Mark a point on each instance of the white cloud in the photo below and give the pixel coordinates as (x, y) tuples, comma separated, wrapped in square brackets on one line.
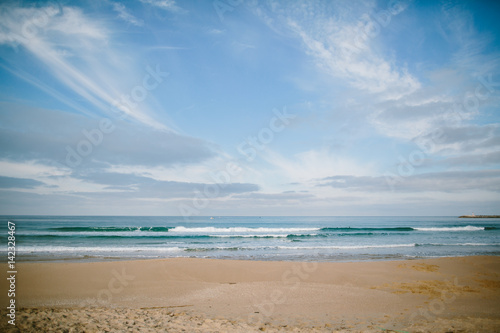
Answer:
[(343, 46), (454, 95), (126, 16), (54, 36), (472, 139), (215, 31), (31, 169), (57, 178), (363, 69), (310, 165), (450, 181), (169, 5), (342, 40)]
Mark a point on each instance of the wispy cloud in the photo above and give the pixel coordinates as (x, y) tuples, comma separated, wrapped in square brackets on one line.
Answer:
[(309, 165), (68, 29), (125, 15), (451, 181), (19, 183), (454, 93), (365, 70), (169, 5), (471, 139), (129, 144), (344, 44), (215, 31), (341, 47)]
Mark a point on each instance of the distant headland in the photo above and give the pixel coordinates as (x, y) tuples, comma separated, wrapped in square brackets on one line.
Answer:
[(480, 216)]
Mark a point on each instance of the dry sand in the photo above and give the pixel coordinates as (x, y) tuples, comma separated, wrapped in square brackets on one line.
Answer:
[(204, 295)]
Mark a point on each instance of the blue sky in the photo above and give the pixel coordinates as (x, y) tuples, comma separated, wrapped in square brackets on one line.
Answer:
[(163, 107)]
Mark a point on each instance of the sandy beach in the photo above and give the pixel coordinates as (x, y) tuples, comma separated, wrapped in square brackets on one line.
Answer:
[(204, 295)]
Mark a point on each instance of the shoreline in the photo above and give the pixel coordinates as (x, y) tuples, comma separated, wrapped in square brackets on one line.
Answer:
[(238, 295), (90, 259)]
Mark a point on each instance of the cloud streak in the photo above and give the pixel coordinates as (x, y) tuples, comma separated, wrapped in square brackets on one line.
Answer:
[(52, 131), (450, 181), (169, 5), (345, 48), (65, 38), (125, 15), (19, 183)]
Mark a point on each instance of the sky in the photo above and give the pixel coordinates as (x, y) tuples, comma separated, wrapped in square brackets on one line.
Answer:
[(249, 107)]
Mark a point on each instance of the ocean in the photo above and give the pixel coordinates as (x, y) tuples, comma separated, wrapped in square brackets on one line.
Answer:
[(101, 238)]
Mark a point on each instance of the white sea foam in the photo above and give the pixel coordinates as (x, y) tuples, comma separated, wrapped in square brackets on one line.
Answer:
[(346, 247), (332, 247), (93, 249), (212, 230), (464, 244), (251, 236), (141, 233), (134, 233)]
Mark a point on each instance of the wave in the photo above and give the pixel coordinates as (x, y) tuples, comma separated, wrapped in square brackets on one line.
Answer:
[(289, 231), (180, 235), (133, 234), (210, 249), (332, 247), (94, 249), (246, 236), (97, 234), (460, 244), (348, 229), (305, 235), (182, 229), (54, 249), (466, 228), (326, 247), (111, 229), (239, 229), (85, 249), (491, 228), (345, 247)]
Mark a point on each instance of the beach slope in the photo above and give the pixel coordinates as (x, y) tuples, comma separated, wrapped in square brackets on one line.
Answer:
[(203, 295)]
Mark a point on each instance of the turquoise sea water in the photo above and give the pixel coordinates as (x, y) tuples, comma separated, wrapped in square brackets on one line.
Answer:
[(91, 238)]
